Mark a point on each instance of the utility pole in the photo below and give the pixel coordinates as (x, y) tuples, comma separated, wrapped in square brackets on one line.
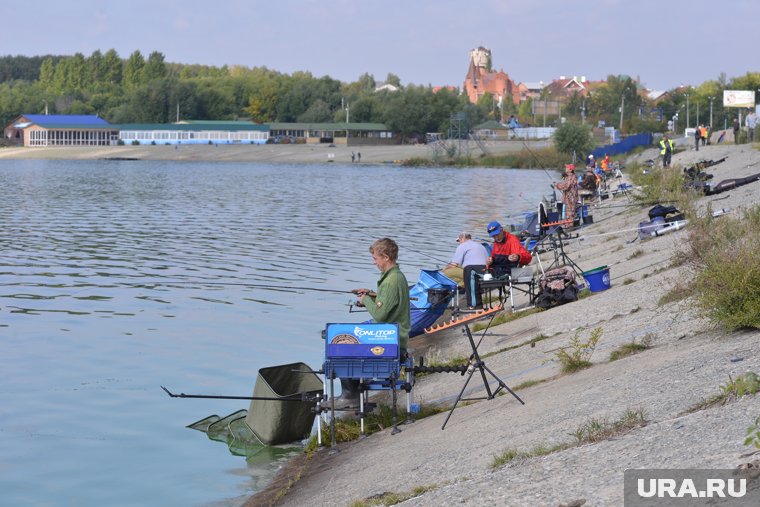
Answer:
[(697, 122), (687, 110), (622, 106), (711, 111), (177, 112)]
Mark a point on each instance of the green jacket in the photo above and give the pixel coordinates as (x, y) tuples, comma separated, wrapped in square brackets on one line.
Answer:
[(392, 303)]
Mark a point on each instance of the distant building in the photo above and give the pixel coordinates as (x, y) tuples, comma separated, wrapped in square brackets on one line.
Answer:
[(60, 130), (481, 79)]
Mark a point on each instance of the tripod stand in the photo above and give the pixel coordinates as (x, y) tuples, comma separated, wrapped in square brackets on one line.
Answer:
[(476, 363), (553, 240)]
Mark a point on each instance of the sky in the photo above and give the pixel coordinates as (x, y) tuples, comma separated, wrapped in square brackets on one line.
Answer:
[(665, 43)]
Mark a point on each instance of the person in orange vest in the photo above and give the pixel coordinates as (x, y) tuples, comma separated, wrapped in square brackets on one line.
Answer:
[(704, 135), (606, 163)]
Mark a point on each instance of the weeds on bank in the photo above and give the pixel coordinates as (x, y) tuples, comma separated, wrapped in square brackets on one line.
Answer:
[(506, 317), (663, 185), (532, 342), (753, 434), (593, 430), (746, 384), (523, 159), (724, 255), (579, 355), (633, 347), (394, 498), (681, 290), (596, 430)]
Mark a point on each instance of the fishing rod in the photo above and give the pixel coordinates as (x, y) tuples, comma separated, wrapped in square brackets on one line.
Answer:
[(300, 398)]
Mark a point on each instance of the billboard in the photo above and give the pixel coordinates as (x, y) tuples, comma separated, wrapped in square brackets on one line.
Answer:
[(739, 98)]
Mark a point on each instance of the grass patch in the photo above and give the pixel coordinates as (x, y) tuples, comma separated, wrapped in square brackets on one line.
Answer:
[(579, 355), (593, 430), (596, 430), (628, 281), (532, 342), (724, 255), (506, 317), (394, 498), (633, 347), (511, 455), (636, 253), (748, 383), (524, 159), (663, 185), (530, 383), (681, 290)]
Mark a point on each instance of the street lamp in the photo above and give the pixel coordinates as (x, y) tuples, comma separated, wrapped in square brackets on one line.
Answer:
[(583, 111), (711, 106), (687, 110)]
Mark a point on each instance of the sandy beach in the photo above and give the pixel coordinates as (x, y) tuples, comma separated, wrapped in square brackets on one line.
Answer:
[(268, 153), (688, 362)]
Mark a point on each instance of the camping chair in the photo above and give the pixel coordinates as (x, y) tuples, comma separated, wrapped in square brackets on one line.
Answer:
[(517, 279)]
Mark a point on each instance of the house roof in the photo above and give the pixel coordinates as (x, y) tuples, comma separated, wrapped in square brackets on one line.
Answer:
[(329, 126), (193, 127), (65, 119), (491, 125)]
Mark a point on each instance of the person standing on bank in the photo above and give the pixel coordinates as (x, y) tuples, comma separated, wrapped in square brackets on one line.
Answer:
[(469, 258), (751, 123), (569, 188), (666, 150), (697, 136), (736, 128)]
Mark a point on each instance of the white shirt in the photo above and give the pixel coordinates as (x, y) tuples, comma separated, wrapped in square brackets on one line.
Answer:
[(470, 253)]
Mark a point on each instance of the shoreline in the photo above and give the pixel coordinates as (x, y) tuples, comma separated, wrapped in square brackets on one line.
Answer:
[(268, 153), (688, 362)]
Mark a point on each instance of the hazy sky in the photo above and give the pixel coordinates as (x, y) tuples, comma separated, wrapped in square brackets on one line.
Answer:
[(664, 42)]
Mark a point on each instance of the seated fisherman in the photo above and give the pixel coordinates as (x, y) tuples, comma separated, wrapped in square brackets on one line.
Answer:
[(470, 256), (389, 304), (507, 251), (589, 184)]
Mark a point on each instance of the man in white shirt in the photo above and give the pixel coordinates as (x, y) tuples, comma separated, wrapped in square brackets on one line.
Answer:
[(751, 123), (470, 257)]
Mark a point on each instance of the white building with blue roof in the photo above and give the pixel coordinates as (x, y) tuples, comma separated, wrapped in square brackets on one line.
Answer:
[(60, 130)]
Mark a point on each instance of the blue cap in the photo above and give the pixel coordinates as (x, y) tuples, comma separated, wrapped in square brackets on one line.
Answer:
[(494, 228)]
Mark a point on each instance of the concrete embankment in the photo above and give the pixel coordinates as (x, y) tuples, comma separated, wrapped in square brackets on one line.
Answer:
[(688, 361)]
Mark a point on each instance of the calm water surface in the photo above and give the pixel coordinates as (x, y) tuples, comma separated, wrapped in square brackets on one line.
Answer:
[(118, 277)]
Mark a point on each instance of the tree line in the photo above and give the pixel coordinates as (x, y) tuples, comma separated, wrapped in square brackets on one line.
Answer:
[(150, 90)]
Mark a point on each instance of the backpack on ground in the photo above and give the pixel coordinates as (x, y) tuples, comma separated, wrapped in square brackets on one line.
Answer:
[(557, 287)]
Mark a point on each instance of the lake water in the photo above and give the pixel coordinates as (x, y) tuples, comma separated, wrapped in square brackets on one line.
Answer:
[(117, 277)]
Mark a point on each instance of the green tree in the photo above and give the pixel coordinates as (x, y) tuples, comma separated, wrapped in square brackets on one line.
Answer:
[(133, 70), (155, 68), (47, 74), (570, 138), (113, 68)]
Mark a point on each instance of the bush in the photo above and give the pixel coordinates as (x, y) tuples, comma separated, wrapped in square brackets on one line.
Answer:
[(724, 254), (572, 138), (120, 142), (579, 357), (135, 143)]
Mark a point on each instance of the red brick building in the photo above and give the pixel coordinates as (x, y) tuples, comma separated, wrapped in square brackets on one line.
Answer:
[(481, 79)]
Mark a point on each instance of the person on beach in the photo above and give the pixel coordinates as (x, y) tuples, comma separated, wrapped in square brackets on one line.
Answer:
[(569, 188), (469, 258), (590, 162), (666, 150), (697, 137)]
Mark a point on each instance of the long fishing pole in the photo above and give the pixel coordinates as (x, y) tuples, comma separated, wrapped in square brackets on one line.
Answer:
[(301, 397)]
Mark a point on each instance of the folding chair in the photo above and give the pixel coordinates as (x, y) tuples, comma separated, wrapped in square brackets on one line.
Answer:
[(521, 279)]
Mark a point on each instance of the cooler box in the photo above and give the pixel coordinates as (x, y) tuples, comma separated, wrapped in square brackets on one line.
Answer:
[(367, 350)]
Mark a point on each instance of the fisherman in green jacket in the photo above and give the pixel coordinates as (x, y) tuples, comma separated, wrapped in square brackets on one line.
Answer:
[(391, 302)]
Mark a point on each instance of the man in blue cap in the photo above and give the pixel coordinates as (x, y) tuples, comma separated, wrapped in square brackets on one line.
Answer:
[(507, 251)]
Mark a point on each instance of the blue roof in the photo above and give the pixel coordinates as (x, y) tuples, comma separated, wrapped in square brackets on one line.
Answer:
[(55, 119)]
